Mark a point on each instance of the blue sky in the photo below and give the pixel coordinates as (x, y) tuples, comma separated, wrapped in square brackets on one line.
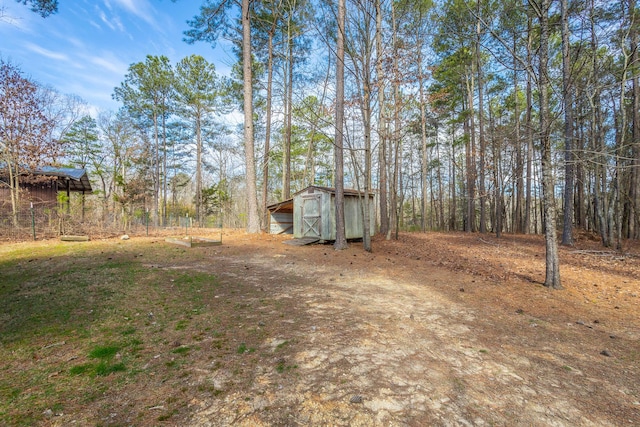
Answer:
[(86, 48)]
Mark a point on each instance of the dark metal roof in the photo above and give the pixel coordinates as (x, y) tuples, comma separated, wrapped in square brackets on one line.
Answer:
[(77, 179)]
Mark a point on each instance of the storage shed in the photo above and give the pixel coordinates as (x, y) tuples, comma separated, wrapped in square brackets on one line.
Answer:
[(311, 213)]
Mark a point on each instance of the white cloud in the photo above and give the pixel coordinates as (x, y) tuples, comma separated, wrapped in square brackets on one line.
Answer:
[(109, 63), (140, 8), (94, 24), (103, 18), (76, 42), (46, 53)]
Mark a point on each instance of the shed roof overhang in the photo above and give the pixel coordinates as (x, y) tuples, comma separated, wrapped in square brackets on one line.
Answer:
[(73, 179), (285, 206), (331, 190)]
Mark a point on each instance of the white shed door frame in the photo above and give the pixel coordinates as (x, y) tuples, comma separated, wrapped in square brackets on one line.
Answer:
[(311, 217)]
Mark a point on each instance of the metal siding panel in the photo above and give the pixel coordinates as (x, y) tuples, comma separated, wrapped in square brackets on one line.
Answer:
[(281, 223), (353, 218), (297, 217), (372, 215), (328, 217), (353, 215)]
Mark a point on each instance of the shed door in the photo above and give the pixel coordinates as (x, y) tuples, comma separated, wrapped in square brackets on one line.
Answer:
[(311, 217)]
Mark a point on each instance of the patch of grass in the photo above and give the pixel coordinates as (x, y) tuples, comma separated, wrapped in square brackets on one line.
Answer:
[(181, 350), (168, 415), (282, 367), (242, 348), (182, 324), (135, 343), (171, 364), (81, 369), (103, 368), (282, 345), (129, 331), (96, 301), (104, 352)]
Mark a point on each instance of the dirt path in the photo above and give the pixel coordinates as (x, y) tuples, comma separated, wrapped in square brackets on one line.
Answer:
[(398, 338)]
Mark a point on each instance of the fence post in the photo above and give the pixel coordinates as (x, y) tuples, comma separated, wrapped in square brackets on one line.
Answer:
[(33, 222)]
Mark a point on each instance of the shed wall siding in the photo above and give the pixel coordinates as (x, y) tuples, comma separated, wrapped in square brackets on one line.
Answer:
[(281, 223), (327, 230)]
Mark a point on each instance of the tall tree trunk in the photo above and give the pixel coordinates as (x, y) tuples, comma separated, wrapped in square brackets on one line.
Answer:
[(579, 205), (267, 136), (552, 277), (453, 197), (164, 167), (442, 224), (497, 178), (470, 221), (156, 180), (567, 95), (341, 239), (634, 194), (198, 170), (253, 219), (393, 217), (286, 158), (518, 219), (529, 128), (615, 217), (366, 122), (423, 135), (481, 178), (382, 154)]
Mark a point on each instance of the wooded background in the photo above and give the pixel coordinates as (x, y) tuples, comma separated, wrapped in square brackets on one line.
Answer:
[(489, 116)]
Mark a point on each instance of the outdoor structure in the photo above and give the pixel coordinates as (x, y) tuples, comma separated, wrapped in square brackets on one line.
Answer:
[(281, 217), (311, 214), (42, 185)]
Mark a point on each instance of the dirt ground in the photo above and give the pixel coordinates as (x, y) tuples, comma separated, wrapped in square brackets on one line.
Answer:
[(439, 329), (435, 329)]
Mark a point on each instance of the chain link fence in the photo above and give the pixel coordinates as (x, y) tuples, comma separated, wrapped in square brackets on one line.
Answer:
[(40, 224)]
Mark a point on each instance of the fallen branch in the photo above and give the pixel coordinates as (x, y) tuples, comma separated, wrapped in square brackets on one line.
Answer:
[(55, 344), (487, 242)]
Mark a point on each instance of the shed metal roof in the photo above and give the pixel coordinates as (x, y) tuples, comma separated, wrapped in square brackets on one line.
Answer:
[(347, 191), (284, 206), (77, 178)]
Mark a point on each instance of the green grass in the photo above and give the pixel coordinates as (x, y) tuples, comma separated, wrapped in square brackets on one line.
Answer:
[(105, 368), (83, 325), (282, 367), (104, 352), (181, 350)]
